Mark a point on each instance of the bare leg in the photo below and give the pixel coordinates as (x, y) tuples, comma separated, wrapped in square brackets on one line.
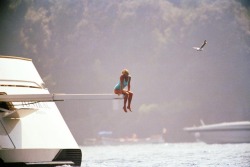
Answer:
[(125, 102), (130, 96), (126, 97)]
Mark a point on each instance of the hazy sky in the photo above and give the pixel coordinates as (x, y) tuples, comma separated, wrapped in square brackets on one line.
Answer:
[(81, 46)]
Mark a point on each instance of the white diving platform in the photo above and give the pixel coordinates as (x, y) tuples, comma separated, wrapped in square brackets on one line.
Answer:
[(56, 97)]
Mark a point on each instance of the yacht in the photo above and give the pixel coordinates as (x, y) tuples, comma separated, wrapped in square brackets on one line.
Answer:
[(226, 132), (32, 129)]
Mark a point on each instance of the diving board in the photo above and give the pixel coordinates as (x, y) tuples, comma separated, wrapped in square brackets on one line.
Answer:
[(56, 97)]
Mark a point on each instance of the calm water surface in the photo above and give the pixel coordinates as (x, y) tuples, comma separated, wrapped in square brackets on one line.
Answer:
[(169, 155)]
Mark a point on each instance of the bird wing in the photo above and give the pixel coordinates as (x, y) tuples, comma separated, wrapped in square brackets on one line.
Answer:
[(203, 44)]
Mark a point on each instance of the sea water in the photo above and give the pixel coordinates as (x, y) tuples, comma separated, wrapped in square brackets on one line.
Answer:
[(167, 155)]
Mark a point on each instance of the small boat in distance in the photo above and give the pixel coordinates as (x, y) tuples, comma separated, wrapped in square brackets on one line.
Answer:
[(227, 132)]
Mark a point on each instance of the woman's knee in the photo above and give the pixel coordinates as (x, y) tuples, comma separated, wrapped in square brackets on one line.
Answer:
[(126, 93)]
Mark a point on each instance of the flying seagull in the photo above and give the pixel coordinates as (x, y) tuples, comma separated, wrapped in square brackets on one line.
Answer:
[(201, 48)]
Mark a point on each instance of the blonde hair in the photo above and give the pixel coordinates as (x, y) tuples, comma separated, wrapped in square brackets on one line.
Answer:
[(125, 71)]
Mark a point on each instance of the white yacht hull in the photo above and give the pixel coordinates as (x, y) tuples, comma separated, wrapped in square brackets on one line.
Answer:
[(230, 132), (31, 132)]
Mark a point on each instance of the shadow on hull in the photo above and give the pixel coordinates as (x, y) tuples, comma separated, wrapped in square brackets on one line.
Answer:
[(64, 157)]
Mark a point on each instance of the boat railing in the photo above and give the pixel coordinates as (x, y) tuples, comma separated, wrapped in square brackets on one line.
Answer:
[(20, 83)]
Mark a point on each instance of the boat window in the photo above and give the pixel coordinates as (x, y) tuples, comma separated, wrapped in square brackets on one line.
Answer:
[(20, 83), (5, 105)]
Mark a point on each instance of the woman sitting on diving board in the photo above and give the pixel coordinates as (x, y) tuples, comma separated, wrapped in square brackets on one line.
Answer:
[(125, 80)]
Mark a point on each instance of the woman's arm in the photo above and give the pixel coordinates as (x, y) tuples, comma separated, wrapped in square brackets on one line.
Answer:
[(129, 80)]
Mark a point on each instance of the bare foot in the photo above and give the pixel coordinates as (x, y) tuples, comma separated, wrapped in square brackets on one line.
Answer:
[(124, 108), (129, 108)]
